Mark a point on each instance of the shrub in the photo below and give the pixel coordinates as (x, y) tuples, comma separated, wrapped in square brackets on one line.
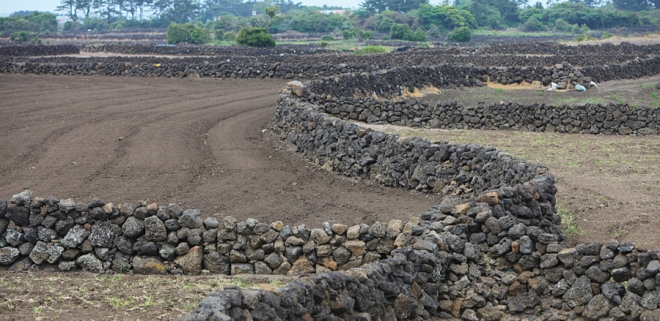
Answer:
[(230, 36), (419, 35), (434, 32), (187, 32), (324, 44), (218, 35), (177, 33), (533, 25), (19, 36), (371, 50), (255, 37), (327, 38), (462, 34), (562, 25), (356, 33), (606, 35), (584, 37), (401, 31)]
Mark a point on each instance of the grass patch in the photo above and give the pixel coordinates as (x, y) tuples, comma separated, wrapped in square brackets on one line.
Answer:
[(370, 50), (568, 221)]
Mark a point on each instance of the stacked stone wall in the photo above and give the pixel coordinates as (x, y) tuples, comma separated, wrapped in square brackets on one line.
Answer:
[(38, 50)]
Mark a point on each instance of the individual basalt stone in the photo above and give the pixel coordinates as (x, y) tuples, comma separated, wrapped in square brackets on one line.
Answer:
[(67, 205), (14, 237), (124, 244), (141, 212), (341, 255), (613, 291), (292, 253), (8, 255), (155, 229), (102, 253), (26, 248), (62, 227), (103, 234), (599, 306), (70, 254), (172, 225), (182, 249), (580, 292), (96, 203), (19, 215), (191, 263), (194, 237), (90, 263), (98, 214), (23, 198), (260, 228), (191, 219), (167, 251), (35, 220), (127, 209), (46, 235), (49, 222), (211, 223), (31, 235), (21, 265), (273, 260), (148, 265), (46, 252), (144, 247), (649, 300), (210, 236), (217, 263)]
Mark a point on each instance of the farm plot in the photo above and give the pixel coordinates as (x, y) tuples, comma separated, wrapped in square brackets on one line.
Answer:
[(198, 143)]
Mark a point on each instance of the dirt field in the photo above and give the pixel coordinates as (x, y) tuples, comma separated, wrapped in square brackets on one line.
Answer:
[(197, 143)]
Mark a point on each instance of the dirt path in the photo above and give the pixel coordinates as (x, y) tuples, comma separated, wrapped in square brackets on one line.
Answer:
[(198, 143)]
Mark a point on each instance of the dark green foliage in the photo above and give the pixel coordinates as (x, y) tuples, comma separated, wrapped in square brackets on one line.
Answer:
[(357, 34), (462, 34), (19, 36), (255, 37), (446, 17), (419, 35), (187, 32), (533, 25), (34, 21), (230, 36), (369, 50), (376, 6), (434, 32), (327, 38), (401, 31)]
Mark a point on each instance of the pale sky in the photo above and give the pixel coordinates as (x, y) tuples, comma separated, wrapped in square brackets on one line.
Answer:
[(9, 6)]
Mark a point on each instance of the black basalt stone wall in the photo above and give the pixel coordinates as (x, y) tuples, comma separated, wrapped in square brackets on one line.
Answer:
[(38, 50)]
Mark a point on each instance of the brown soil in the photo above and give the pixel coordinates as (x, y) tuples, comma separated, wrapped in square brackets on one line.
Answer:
[(194, 142), (86, 296)]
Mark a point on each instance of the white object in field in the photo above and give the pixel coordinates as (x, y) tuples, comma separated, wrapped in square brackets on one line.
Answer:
[(553, 87), (593, 84), (579, 87)]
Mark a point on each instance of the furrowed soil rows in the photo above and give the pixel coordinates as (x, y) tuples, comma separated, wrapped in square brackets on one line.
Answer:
[(195, 142)]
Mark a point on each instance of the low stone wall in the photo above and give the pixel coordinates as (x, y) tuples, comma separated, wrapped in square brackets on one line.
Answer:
[(38, 50), (592, 119), (201, 50)]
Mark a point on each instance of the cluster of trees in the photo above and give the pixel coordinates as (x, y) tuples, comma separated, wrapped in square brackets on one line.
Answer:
[(200, 21)]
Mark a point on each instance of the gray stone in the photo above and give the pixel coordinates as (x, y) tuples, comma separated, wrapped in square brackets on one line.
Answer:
[(102, 234), (75, 237), (26, 248), (217, 263), (599, 306), (524, 300), (124, 244), (650, 315), (262, 268), (133, 227), (580, 293), (182, 249), (3, 209), (595, 274), (273, 260), (548, 261), (3, 225), (650, 300), (211, 223), (613, 291), (21, 265), (167, 251), (23, 198), (242, 268), (653, 267), (46, 252), (90, 263), (154, 229), (8, 255), (67, 265), (67, 205), (14, 237), (191, 219), (341, 255), (19, 215), (46, 235), (145, 247)]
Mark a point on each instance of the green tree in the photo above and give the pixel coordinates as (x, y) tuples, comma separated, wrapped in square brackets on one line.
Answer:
[(187, 32), (255, 37), (401, 31), (462, 34), (533, 25)]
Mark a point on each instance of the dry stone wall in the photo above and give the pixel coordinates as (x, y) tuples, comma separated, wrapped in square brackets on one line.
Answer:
[(38, 50)]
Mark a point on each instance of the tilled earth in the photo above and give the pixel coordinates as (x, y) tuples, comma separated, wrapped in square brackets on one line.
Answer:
[(195, 142)]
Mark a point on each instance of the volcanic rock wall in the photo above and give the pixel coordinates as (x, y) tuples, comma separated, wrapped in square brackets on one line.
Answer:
[(38, 50)]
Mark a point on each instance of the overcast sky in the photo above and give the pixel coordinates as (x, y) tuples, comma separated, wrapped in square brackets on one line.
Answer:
[(9, 6)]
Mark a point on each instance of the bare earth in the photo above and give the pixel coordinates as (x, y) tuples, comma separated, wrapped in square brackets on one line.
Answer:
[(194, 142)]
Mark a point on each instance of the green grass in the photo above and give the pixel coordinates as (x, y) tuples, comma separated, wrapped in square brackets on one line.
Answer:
[(370, 50), (568, 221)]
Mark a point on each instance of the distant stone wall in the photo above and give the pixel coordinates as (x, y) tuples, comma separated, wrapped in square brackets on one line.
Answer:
[(38, 50)]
